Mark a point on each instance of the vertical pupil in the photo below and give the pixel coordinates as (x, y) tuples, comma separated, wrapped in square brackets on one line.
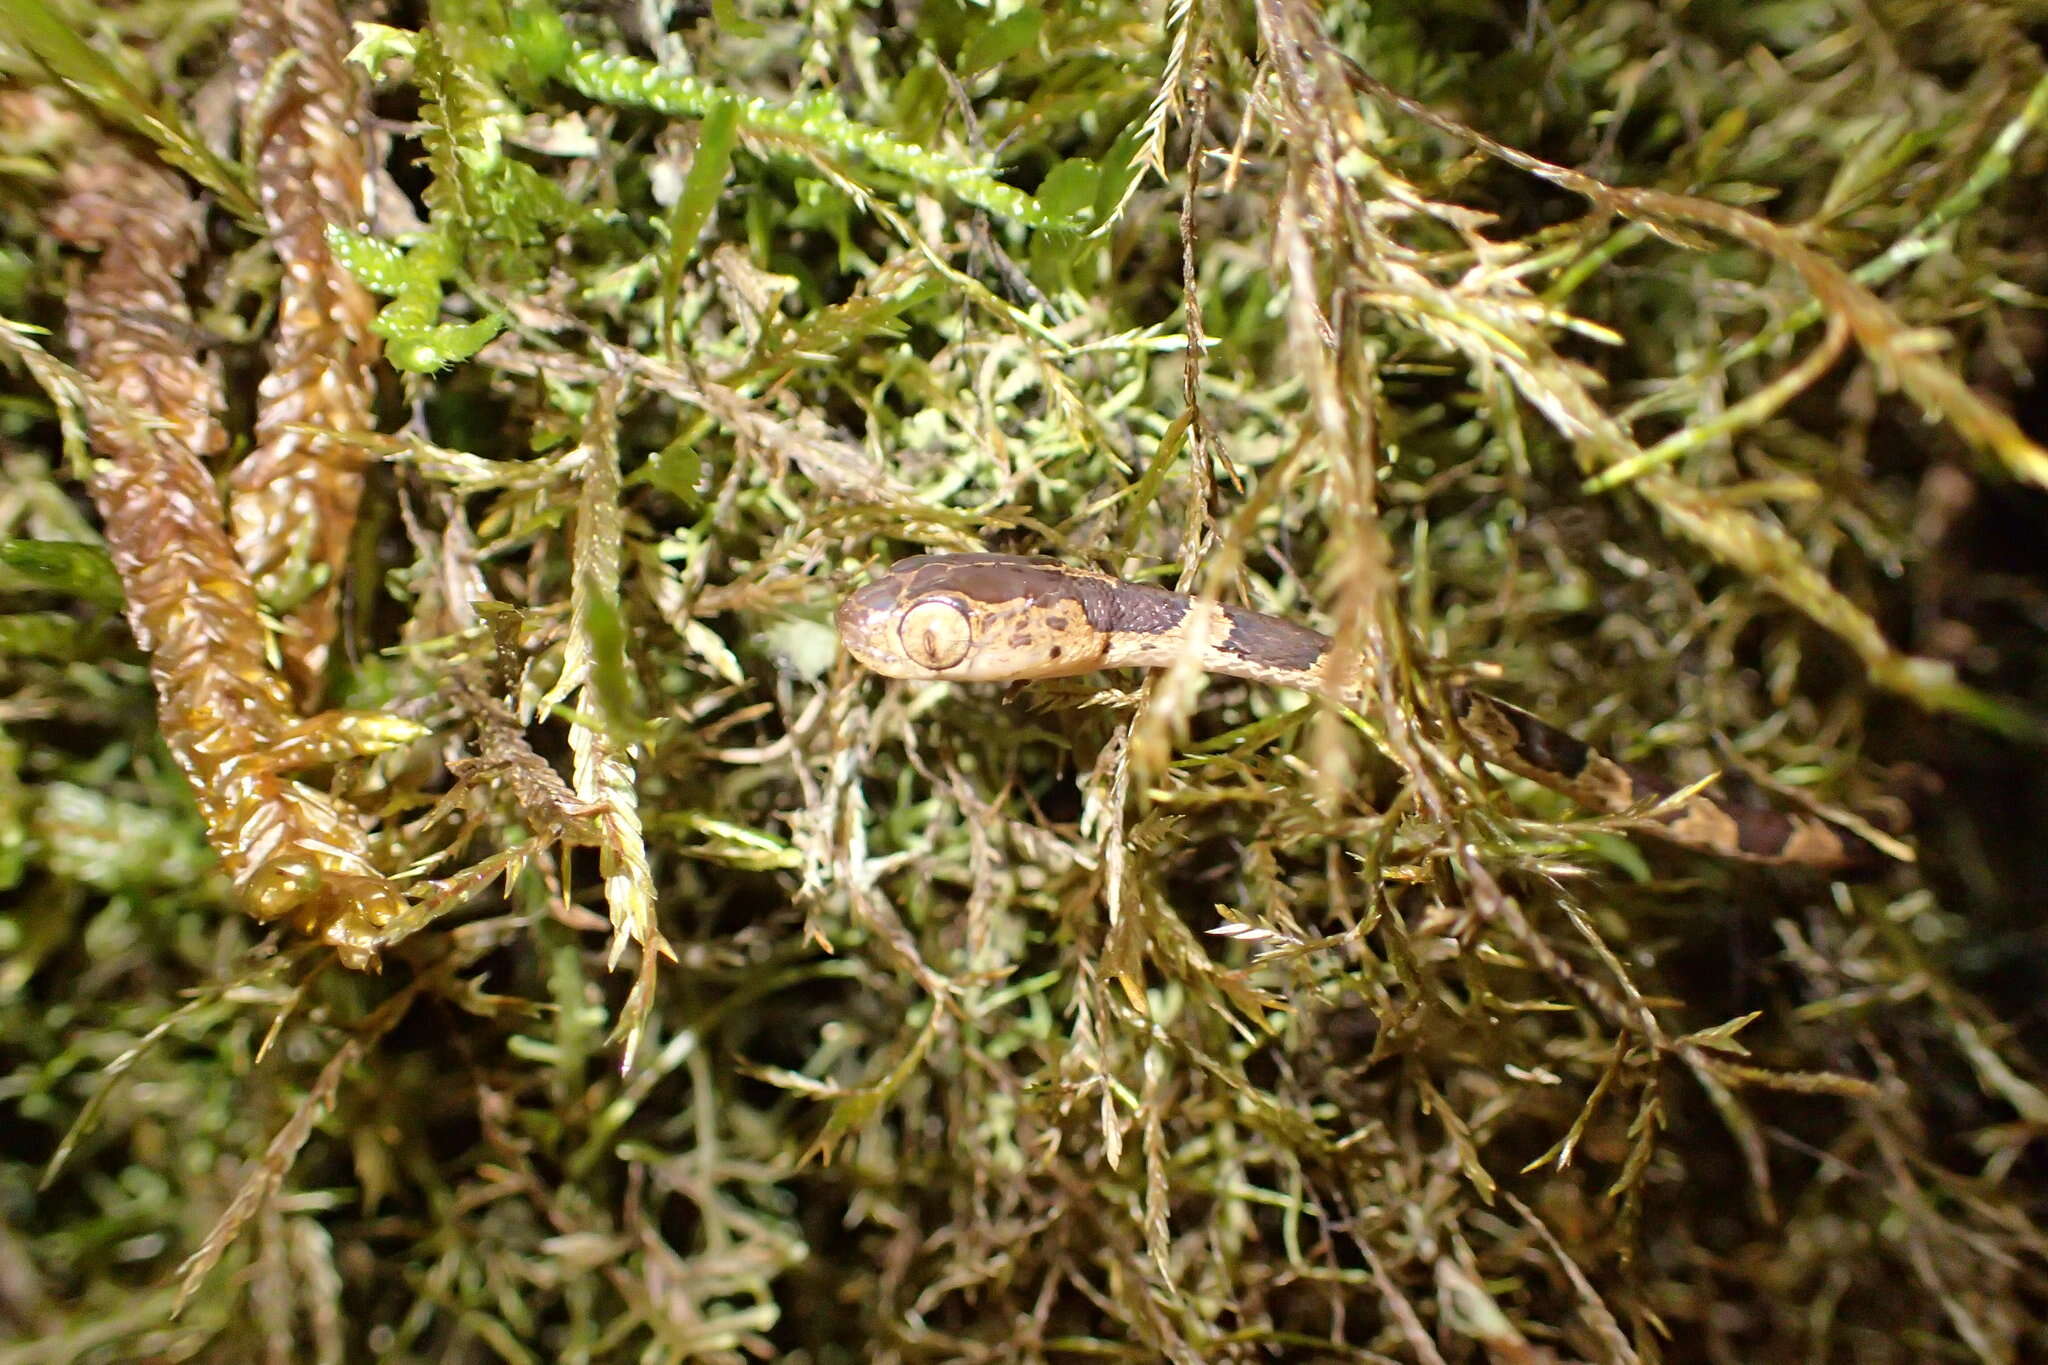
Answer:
[(936, 634)]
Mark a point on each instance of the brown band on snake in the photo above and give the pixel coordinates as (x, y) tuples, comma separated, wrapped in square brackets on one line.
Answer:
[(1255, 635), (1004, 618)]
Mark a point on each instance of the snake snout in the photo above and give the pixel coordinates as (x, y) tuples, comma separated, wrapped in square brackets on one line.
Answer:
[(862, 620), (865, 605)]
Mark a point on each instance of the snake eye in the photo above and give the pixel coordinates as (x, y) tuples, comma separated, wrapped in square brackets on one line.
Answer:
[(936, 633)]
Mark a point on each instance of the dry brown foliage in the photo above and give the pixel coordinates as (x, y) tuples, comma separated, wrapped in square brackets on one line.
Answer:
[(230, 720)]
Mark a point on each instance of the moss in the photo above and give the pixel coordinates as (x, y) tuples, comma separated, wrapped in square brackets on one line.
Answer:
[(1652, 366)]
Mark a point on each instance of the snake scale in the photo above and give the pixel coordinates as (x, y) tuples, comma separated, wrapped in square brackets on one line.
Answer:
[(1007, 618)]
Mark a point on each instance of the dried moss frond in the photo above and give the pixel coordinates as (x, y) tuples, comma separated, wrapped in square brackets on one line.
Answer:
[(294, 499), (594, 674), (228, 718)]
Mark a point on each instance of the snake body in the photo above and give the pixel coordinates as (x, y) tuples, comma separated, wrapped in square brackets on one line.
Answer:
[(1006, 618)]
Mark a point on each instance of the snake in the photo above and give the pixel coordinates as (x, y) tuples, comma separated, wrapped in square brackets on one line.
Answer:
[(996, 618)]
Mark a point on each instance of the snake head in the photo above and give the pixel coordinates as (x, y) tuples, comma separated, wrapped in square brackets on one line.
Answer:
[(976, 618), (927, 637)]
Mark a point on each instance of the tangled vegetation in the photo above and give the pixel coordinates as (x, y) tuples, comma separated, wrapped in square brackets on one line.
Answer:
[(461, 905)]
